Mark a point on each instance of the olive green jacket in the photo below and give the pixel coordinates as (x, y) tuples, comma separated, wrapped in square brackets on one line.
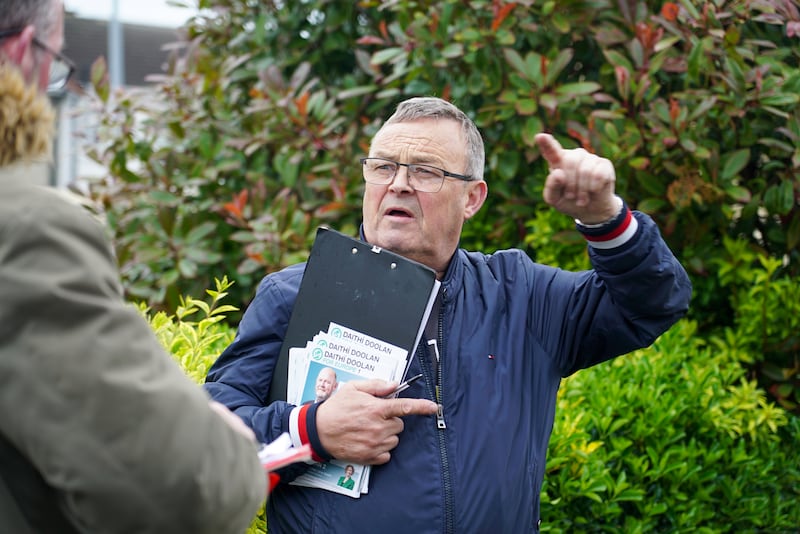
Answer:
[(121, 439)]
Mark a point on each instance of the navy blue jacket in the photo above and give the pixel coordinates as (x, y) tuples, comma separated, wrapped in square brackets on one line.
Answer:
[(510, 330)]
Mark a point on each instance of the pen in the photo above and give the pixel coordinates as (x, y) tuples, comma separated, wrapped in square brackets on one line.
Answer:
[(404, 386)]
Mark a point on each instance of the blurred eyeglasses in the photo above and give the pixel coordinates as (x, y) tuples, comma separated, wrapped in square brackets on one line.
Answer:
[(424, 178), (61, 67)]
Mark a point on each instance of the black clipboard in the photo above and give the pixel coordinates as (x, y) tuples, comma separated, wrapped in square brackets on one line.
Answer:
[(360, 286)]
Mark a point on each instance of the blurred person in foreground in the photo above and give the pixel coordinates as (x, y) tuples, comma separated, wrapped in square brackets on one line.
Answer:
[(100, 431), (503, 333)]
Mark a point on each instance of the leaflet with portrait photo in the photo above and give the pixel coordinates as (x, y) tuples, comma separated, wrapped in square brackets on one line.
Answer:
[(340, 355), (352, 356)]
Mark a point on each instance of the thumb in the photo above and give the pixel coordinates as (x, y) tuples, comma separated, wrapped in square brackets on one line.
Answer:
[(550, 148), (231, 419)]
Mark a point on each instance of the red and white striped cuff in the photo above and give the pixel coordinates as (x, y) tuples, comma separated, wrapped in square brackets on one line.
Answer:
[(613, 233), (302, 430)]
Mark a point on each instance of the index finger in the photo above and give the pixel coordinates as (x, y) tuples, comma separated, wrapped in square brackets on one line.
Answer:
[(550, 148), (374, 386), (408, 406)]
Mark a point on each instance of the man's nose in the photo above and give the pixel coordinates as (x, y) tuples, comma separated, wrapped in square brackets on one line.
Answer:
[(400, 181)]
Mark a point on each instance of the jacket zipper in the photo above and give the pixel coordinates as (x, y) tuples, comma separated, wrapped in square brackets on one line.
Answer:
[(447, 487), (434, 344)]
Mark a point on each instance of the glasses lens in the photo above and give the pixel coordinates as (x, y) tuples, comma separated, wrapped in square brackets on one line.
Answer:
[(379, 171), (59, 74), (424, 178)]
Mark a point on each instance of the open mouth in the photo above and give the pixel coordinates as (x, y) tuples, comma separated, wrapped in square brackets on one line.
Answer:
[(398, 212)]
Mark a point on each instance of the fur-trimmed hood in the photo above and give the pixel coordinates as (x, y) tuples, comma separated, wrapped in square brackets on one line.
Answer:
[(26, 119)]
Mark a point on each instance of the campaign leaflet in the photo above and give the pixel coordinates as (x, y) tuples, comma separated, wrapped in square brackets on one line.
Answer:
[(349, 355)]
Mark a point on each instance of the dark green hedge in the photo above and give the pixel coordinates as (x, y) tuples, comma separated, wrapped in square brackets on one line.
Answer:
[(673, 438)]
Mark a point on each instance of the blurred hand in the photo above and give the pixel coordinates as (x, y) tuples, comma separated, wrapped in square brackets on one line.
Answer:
[(357, 425), (233, 420), (580, 184)]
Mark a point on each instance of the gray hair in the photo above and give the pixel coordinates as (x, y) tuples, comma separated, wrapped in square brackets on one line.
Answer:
[(16, 14), (436, 108)]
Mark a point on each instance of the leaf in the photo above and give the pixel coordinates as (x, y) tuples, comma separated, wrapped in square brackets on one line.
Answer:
[(557, 66), (453, 50), (197, 233), (666, 43), (782, 100), (734, 162), (618, 60), (548, 101), (370, 40), (651, 184), (701, 109), (202, 256), (302, 104), (224, 309), (387, 93), (640, 163), (561, 22), (689, 6), (793, 232), (99, 78), (501, 15), (187, 268), (507, 165), (526, 106), (786, 197), (608, 114), (775, 143), (779, 199), (651, 205), (160, 196), (517, 63), (533, 126), (688, 144), (578, 88), (739, 193), (300, 74), (386, 55), (694, 60), (356, 91)]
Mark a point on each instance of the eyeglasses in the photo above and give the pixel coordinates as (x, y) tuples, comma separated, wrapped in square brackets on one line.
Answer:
[(423, 178), (61, 68)]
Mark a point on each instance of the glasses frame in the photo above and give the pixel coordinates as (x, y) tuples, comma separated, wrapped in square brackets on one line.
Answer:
[(57, 57), (445, 174)]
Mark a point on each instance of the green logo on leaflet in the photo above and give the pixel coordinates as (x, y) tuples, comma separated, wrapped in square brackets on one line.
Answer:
[(316, 354)]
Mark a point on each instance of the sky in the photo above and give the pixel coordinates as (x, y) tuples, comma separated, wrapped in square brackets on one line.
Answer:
[(151, 12)]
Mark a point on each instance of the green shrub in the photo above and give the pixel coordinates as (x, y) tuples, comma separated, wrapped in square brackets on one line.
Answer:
[(673, 438), (250, 140), (196, 342), (767, 317)]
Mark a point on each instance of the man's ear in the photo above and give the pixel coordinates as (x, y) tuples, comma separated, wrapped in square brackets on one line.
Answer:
[(476, 196), (17, 49)]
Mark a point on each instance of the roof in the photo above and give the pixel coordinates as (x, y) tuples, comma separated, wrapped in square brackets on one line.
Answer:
[(143, 47)]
